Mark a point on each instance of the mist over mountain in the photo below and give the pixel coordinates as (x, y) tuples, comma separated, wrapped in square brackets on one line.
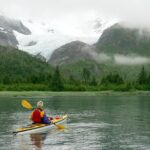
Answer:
[(118, 44), (122, 40), (7, 28), (37, 37), (46, 37), (106, 41), (118, 49)]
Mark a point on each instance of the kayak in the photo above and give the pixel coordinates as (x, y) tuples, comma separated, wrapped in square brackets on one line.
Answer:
[(39, 127)]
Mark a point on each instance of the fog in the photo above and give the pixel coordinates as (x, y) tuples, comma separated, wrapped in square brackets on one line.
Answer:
[(130, 60), (119, 59), (134, 12)]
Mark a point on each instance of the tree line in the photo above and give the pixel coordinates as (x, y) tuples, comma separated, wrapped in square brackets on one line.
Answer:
[(56, 81), (112, 81)]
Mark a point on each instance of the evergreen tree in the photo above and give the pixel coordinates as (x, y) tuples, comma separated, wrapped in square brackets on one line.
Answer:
[(56, 82), (112, 78), (7, 80), (33, 79), (48, 77), (93, 82), (72, 80), (148, 79), (142, 79), (86, 75)]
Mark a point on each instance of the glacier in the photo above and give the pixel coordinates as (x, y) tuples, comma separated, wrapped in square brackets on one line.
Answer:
[(46, 37)]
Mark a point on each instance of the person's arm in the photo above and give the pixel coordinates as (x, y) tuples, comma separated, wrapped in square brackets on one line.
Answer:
[(30, 117)]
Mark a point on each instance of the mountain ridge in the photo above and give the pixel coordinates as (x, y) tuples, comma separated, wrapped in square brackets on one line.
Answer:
[(68, 53), (115, 43), (7, 27)]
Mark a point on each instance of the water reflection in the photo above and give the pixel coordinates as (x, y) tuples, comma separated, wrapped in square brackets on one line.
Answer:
[(108, 123), (38, 140)]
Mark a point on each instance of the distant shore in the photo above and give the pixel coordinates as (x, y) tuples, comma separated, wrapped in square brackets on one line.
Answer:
[(50, 94)]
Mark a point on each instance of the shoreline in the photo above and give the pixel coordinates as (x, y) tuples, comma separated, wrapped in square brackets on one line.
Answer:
[(86, 93)]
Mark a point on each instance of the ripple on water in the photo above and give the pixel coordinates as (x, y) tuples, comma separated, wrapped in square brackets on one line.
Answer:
[(94, 124)]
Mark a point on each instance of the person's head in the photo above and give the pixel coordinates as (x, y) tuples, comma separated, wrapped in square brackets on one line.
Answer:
[(39, 104)]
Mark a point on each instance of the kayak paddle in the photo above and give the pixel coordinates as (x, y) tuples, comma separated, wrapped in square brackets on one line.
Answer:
[(27, 105)]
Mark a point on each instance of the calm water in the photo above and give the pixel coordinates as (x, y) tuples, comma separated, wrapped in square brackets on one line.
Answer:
[(95, 123)]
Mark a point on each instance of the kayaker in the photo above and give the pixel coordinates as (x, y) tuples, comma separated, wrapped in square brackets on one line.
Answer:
[(38, 114)]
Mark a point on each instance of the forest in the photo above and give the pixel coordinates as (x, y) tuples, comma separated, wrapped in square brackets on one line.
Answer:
[(57, 82)]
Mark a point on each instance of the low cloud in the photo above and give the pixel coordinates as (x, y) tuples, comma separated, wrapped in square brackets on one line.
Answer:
[(130, 60), (100, 58), (135, 12), (118, 59)]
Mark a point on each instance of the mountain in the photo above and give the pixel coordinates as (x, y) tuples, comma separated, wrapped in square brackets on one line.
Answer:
[(48, 36), (13, 24), (73, 58), (42, 37), (20, 66), (39, 56), (118, 45), (125, 41), (119, 49), (70, 53), (7, 28)]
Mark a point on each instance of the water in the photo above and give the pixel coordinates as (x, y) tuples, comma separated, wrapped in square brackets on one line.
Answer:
[(95, 123)]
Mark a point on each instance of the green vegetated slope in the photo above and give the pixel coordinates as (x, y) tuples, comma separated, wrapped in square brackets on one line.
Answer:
[(76, 69), (18, 66)]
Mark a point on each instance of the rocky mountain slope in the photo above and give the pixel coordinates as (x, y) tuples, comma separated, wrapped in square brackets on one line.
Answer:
[(117, 43), (37, 37), (123, 40), (48, 36), (7, 26), (70, 53)]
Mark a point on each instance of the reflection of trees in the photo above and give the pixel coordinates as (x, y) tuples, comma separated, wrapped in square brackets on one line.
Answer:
[(38, 140)]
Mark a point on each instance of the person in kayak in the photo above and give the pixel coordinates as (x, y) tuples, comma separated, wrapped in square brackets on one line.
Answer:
[(38, 114)]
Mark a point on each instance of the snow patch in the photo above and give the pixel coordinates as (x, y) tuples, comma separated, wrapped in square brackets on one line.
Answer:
[(50, 36)]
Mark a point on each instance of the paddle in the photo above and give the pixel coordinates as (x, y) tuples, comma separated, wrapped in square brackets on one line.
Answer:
[(27, 105)]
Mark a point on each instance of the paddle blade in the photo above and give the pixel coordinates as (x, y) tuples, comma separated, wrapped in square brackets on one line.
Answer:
[(26, 104), (60, 126)]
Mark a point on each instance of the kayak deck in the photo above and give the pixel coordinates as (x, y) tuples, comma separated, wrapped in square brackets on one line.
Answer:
[(39, 127)]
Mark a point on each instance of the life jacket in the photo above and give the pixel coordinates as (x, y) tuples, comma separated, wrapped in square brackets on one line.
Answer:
[(36, 116)]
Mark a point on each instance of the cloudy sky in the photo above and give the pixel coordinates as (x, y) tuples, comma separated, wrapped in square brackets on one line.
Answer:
[(133, 11)]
